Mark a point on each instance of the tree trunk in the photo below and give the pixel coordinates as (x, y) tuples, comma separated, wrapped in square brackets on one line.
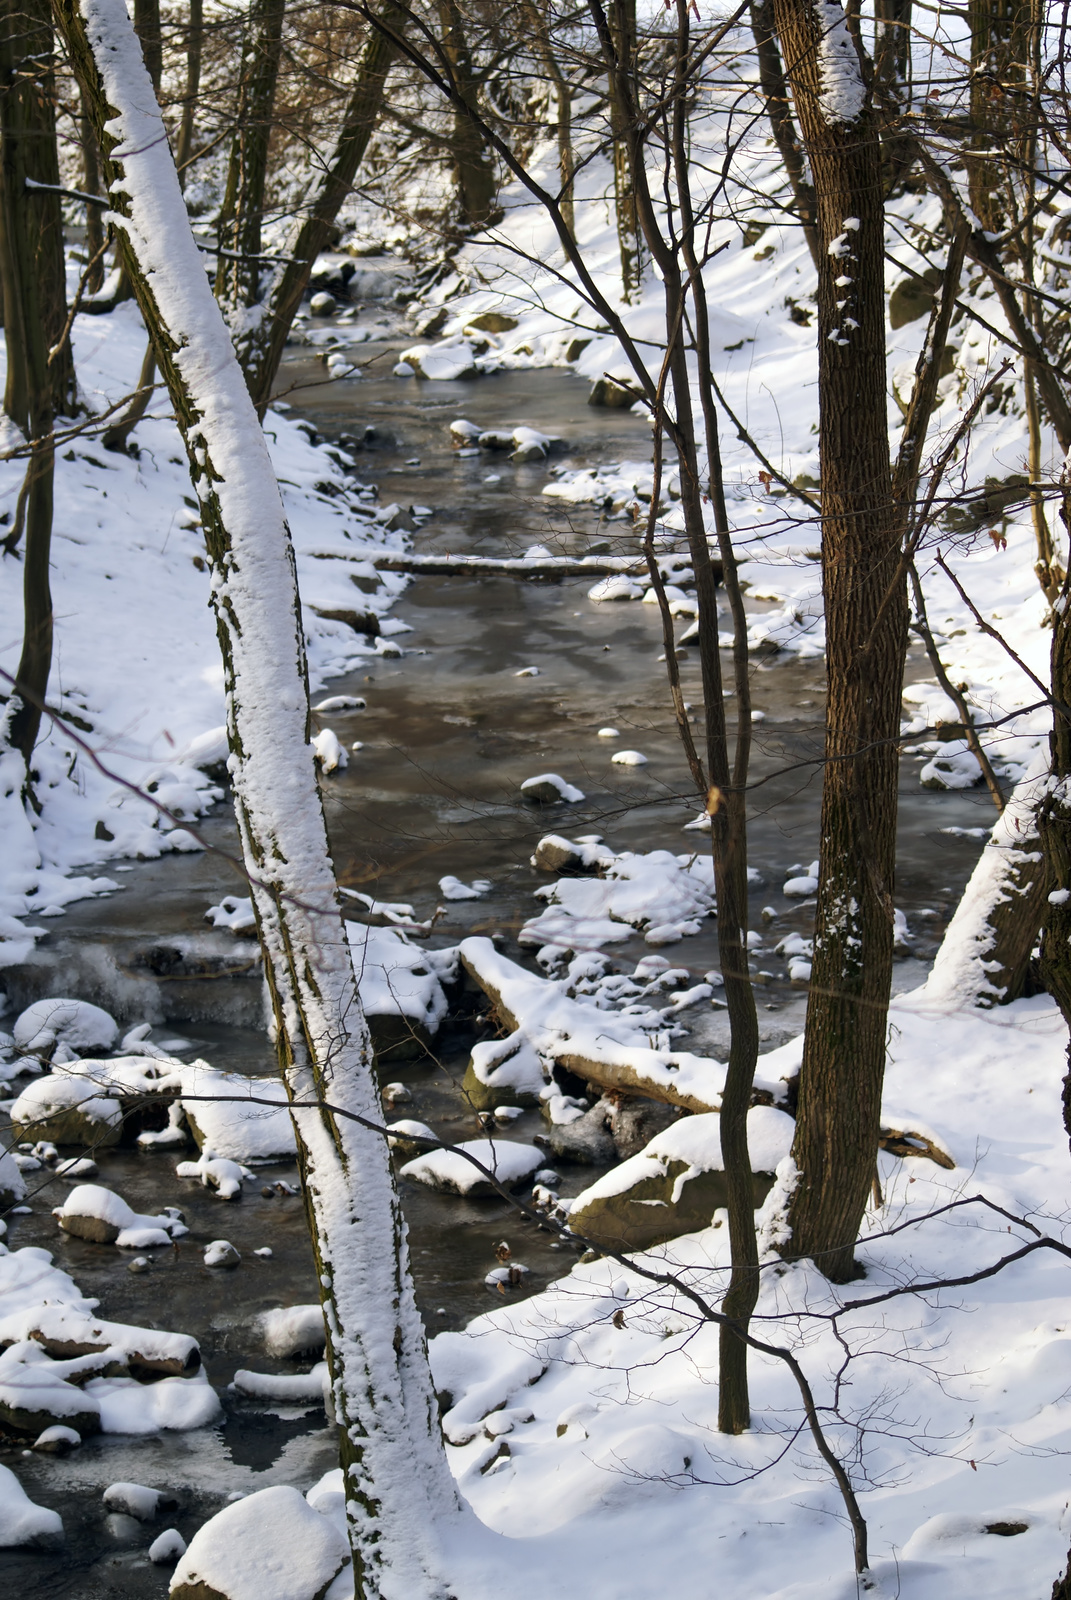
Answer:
[(630, 234), (726, 796), (242, 211), (474, 168), (95, 233), (1054, 829), (837, 1128), (563, 101), (30, 238), (195, 40), (260, 344), (775, 93), (1001, 33), (986, 949), (398, 1489)]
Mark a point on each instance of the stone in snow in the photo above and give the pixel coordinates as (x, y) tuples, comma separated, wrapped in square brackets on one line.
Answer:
[(548, 788), (628, 758)]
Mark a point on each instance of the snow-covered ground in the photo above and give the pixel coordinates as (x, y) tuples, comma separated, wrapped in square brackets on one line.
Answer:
[(137, 667)]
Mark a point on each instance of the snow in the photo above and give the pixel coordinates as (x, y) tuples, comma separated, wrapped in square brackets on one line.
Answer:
[(22, 1522), (394, 977), (697, 1141), (452, 888), (510, 1163), (843, 90), (271, 1545), (74, 1023), (58, 1093), (628, 758), (167, 1547), (636, 890), (234, 912), (253, 1131), (566, 791), (290, 1330), (135, 1499), (286, 1386)]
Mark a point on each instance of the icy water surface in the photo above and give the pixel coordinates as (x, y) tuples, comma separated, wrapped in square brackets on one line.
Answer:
[(449, 734)]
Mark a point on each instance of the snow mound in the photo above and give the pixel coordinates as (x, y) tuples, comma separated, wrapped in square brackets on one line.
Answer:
[(272, 1545), (21, 1521)]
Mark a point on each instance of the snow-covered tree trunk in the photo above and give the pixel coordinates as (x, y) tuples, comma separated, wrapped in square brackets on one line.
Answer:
[(398, 1488), (986, 948)]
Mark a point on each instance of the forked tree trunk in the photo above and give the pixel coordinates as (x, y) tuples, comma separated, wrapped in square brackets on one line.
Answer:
[(262, 337), (836, 1140), (242, 211), (398, 1489), (30, 237)]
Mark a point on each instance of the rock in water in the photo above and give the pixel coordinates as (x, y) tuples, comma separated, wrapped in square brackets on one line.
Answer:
[(83, 1028), (676, 1184), (221, 1253), (547, 789), (167, 1548), (57, 1441), (587, 1140), (21, 1522), (271, 1545), (66, 1110), (12, 1183), (634, 1123)]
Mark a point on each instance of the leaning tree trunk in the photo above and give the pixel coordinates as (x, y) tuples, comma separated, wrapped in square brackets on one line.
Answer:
[(985, 953), (30, 235), (398, 1489), (262, 338), (836, 1143), (242, 211)]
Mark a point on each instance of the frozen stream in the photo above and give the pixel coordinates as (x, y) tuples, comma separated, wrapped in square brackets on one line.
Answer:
[(448, 735)]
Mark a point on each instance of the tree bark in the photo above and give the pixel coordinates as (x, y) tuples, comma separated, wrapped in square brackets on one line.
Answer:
[(242, 211), (94, 214), (261, 341), (775, 93), (630, 232), (30, 240), (195, 40), (398, 1489), (864, 588), (1054, 829), (474, 168)]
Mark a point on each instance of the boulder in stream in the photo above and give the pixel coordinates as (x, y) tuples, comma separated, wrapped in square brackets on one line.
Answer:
[(451, 1172), (503, 1072), (271, 1545), (66, 1110), (548, 789), (677, 1183)]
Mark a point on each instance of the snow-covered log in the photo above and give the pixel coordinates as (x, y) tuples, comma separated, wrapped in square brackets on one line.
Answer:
[(552, 567), (984, 954), (398, 1489)]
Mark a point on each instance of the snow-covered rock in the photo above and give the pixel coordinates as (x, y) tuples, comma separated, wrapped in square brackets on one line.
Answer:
[(136, 1500), (75, 1024), (675, 1185), (221, 1253), (292, 1330), (12, 1182), (223, 1177), (238, 1118), (67, 1110), (450, 1171), (400, 989), (21, 1521), (548, 788), (271, 1545), (503, 1072), (93, 1212)]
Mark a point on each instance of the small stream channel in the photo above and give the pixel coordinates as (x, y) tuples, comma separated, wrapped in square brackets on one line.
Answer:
[(448, 735)]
